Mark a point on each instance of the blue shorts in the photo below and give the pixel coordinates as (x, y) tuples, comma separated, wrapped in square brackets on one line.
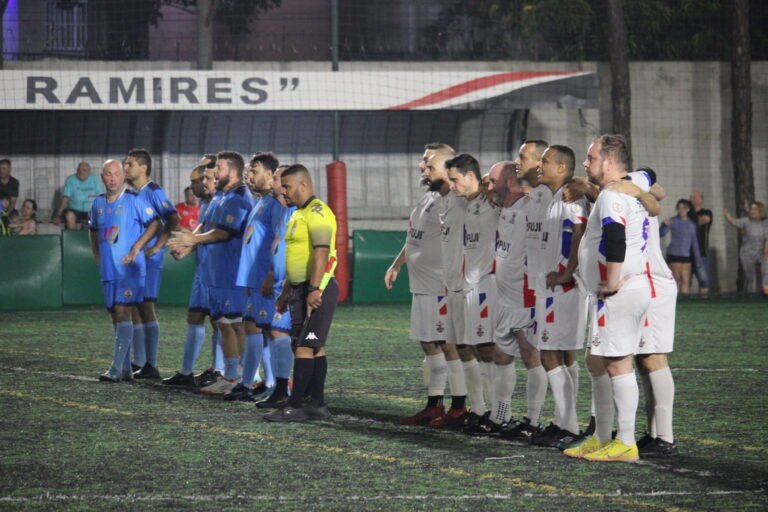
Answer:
[(152, 283), (261, 311), (226, 304), (198, 297), (124, 292)]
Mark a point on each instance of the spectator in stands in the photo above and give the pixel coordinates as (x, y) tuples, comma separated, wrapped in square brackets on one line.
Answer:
[(702, 217), (78, 194), (683, 247), (26, 222), (4, 219), (189, 211), (9, 186), (753, 253)]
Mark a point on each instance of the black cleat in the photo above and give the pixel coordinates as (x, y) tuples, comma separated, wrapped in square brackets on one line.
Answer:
[(317, 413), (147, 372), (135, 368), (180, 380), (207, 377), (273, 402), (483, 429), (659, 448), (108, 376), (519, 430), (552, 436), (647, 438), (590, 431), (239, 393), (287, 414)]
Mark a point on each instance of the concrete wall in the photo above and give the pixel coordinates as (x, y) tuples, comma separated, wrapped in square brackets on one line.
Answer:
[(681, 128)]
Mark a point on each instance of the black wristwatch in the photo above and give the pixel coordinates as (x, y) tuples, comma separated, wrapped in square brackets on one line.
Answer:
[(311, 288)]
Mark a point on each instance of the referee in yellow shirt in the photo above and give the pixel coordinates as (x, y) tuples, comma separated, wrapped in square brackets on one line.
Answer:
[(310, 292)]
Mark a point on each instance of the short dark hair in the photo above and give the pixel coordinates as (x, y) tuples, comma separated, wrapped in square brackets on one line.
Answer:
[(565, 155), (267, 159), (615, 146), (295, 169), (187, 189), (540, 144), (143, 157), (235, 160), (5, 161), (34, 207), (464, 164), (212, 158)]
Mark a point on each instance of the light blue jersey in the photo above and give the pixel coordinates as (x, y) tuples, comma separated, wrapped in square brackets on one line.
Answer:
[(119, 225), (153, 194), (264, 225), (278, 262), (222, 259)]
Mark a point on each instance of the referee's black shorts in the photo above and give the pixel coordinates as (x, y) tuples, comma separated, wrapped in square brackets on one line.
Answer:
[(312, 332)]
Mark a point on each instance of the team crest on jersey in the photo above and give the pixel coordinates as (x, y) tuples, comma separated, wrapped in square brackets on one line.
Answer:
[(226, 303), (249, 307), (119, 210), (230, 219), (128, 293), (480, 331), (440, 327), (277, 317), (538, 197), (99, 212), (477, 209), (262, 314), (149, 211), (513, 218), (596, 340), (642, 341), (544, 336)]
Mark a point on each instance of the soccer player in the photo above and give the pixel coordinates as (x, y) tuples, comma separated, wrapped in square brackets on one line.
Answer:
[(146, 330), (481, 219), (311, 294), (255, 264), (613, 268), (202, 184), (222, 258), (560, 305), (526, 163), (429, 311), (121, 224)]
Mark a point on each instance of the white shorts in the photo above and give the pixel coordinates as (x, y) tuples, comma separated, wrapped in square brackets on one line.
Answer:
[(479, 311), (658, 336), (509, 321), (454, 332), (558, 320), (429, 317), (615, 323)]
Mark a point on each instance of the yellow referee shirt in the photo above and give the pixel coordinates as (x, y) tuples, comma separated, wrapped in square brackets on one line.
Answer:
[(312, 225)]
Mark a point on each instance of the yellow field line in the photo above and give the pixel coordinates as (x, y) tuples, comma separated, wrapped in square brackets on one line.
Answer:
[(358, 454)]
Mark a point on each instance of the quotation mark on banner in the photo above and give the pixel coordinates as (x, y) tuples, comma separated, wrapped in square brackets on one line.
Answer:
[(284, 83)]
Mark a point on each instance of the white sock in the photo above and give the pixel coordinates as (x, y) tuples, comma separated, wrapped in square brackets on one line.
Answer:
[(535, 394), (488, 370), (425, 371), (573, 371), (650, 404), (602, 397), (504, 380), (474, 379), (562, 391), (438, 374), (456, 380), (626, 396), (664, 396)]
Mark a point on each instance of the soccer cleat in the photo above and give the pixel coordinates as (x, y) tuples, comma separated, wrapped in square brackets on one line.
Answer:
[(454, 418), (220, 387), (180, 380), (109, 376), (552, 435), (519, 430), (239, 393), (579, 449), (424, 416), (273, 402), (287, 414), (259, 388), (483, 429), (148, 372), (263, 395), (135, 368), (591, 427), (207, 377), (647, 438), (568, 442), (658, 448), (126, 376), (317, 413), (614, 451)]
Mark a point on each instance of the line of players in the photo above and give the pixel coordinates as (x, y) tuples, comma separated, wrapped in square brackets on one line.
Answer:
[(529, 264), (240, 251)]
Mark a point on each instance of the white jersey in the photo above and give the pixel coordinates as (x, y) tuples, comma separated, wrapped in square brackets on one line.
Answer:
[(510, 256), (613, 207), (537, 210), (656, 262), (557, 232), (480, 223), (451, 211), (423, 251)]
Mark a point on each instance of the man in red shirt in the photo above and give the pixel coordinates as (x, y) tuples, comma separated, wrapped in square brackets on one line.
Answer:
[(189, 211)]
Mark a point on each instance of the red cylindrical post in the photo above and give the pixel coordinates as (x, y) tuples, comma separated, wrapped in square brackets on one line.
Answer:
[(337, 200)]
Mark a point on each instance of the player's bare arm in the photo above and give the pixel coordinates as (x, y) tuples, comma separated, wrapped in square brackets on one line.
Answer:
[(390, 276), (148, 235), (213, 236), (580, 187), (171, 224), (93, 236), (281, 304), (268, 285), (566, 276), (319, 266), (648, 200)]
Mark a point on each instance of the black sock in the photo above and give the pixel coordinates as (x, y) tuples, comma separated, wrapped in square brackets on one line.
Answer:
[(281, 388), (302, 380), (435, 401), (318, 381), (458, 402)]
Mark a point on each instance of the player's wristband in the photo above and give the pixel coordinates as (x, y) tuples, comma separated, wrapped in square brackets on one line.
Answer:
[(311, 288)]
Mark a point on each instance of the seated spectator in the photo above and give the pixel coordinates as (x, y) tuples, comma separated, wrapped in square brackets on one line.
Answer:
[(683, 247), (9, 186), (78, 194), (189, 211), (26, 222)]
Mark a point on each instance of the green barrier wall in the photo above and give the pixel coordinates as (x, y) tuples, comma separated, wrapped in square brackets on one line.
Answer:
[(177, 280), (82, 285), (30, 272), (374, 252)]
